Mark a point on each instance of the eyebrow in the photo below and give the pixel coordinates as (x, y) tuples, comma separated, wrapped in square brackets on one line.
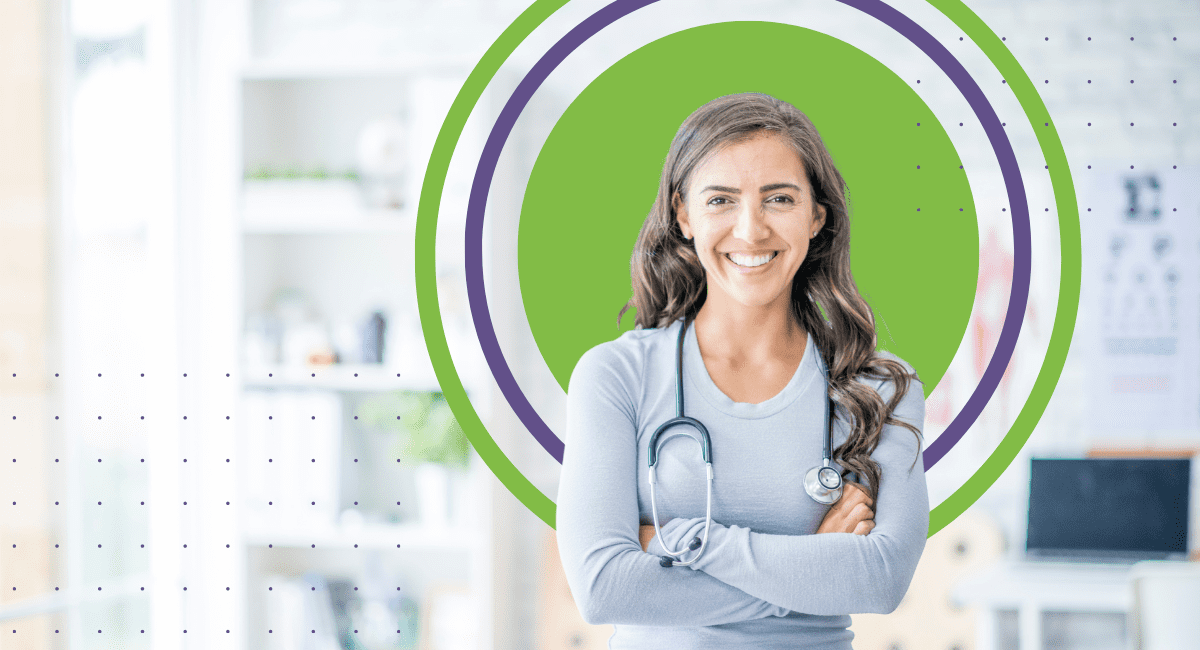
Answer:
[(764, 188)]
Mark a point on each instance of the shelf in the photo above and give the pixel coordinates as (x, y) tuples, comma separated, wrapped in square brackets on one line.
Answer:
[(369, 536), (339, 377), (317, 206)]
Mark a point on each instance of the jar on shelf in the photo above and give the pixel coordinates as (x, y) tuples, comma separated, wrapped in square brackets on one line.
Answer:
[(382, 159)]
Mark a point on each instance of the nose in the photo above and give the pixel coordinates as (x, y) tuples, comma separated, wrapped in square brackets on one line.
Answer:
[(751, 225)]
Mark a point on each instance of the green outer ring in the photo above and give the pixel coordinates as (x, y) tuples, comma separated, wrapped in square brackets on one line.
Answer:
[(1070, 267), (543, 506), (426, 265)]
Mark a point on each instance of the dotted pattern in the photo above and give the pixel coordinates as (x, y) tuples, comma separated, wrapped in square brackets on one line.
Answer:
[(1166, 88), (1122, 93), (63, 465)]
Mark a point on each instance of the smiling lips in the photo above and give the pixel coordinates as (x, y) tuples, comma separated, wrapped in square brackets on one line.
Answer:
[(751, 261)]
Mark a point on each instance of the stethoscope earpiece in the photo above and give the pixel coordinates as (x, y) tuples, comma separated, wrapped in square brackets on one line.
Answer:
[(668, 562)]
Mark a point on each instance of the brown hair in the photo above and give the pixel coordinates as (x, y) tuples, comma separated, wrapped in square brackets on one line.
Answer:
[(669, 281)]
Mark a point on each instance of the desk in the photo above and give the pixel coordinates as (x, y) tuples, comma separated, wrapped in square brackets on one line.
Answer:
[(1034, 587)]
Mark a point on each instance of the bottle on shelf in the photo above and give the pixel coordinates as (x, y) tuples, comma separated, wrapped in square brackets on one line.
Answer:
[(374, 332)]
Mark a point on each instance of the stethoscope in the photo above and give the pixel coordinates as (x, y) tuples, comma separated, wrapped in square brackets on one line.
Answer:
[(823, 483)]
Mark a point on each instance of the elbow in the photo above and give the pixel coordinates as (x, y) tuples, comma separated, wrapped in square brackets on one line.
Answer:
[(598, 573), (591, 608), (592, 614), (888, 597), (893, 591), (591, 594), (892, 602), (595, 610), (895, 578)]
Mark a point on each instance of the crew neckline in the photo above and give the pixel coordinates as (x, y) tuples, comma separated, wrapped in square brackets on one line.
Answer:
[(703, 383)]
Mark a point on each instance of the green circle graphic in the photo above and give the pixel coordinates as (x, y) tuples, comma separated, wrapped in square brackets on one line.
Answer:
[(914, 231), (1069, 268)]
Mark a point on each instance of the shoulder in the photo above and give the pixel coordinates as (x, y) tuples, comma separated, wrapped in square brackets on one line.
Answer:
[(885, 382), (912, 404), (619, 361), (887, 354)]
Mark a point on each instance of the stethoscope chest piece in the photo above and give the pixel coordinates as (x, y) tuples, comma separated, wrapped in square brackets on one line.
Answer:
[(823, 484)]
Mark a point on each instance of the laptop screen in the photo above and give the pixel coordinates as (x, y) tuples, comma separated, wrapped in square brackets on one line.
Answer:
[(1122, 507)]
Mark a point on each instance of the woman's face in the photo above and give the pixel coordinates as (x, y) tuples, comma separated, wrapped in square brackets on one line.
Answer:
[(750, 210)]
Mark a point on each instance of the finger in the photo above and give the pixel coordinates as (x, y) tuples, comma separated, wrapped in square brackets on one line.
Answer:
[(865, 494), (848, 499), (645, 536), (844, 509), (862, 511), (859, 488), (864, 527), (856, 493)]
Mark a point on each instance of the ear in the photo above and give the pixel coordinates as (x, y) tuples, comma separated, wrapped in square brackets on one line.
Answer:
[(819, 221), (681, 215)]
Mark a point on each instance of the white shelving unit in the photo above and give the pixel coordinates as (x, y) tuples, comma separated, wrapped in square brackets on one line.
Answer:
[(315, 237), (317, 206), (1032, 589)]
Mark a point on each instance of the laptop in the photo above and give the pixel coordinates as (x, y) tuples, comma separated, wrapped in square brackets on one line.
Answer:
[(1108, 510)]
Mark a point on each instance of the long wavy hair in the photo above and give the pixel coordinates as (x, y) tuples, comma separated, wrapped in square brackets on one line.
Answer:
[(669, 281)]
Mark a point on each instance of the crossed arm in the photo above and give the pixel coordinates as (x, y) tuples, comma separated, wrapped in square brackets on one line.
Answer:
[(742, 575), (838, 573), (852, 513), (610, 577)]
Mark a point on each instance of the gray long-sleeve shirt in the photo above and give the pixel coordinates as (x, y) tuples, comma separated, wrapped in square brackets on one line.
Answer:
[(765, 579)]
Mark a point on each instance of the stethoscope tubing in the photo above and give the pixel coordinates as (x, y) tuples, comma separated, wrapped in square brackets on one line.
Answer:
[(823, 493), (707, 522)]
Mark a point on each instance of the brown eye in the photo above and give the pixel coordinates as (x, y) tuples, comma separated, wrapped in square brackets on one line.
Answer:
[(714, 200)]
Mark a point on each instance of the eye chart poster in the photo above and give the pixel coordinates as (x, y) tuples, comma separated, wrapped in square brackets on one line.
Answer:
[(1141, 298)]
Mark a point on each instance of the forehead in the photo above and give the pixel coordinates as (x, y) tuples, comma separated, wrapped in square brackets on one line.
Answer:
[(768, 157)]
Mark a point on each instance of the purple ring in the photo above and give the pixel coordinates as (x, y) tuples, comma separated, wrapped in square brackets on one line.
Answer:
[(1022, 244)]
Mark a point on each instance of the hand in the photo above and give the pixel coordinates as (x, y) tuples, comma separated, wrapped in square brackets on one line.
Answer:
[(646, 535), (852, 513)]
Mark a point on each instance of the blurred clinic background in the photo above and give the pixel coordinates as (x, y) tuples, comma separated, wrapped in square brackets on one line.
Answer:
[(220, 427)]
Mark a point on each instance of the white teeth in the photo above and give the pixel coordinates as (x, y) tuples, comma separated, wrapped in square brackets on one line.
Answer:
[(750, 261)]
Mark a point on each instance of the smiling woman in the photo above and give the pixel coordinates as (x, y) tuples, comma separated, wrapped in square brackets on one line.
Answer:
[(750, 224), (744, 298), (751, 221)]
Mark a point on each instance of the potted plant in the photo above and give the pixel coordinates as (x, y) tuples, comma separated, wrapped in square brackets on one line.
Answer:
[(428, 439)]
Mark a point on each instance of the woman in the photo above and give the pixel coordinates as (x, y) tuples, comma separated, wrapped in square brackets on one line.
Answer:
[(746, 245)]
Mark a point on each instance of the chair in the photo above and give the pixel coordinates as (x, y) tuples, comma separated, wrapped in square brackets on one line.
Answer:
[(1166, 605)]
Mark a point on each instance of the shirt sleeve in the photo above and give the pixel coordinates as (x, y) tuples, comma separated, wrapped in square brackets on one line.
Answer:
[(834, 573), (610, 577)]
